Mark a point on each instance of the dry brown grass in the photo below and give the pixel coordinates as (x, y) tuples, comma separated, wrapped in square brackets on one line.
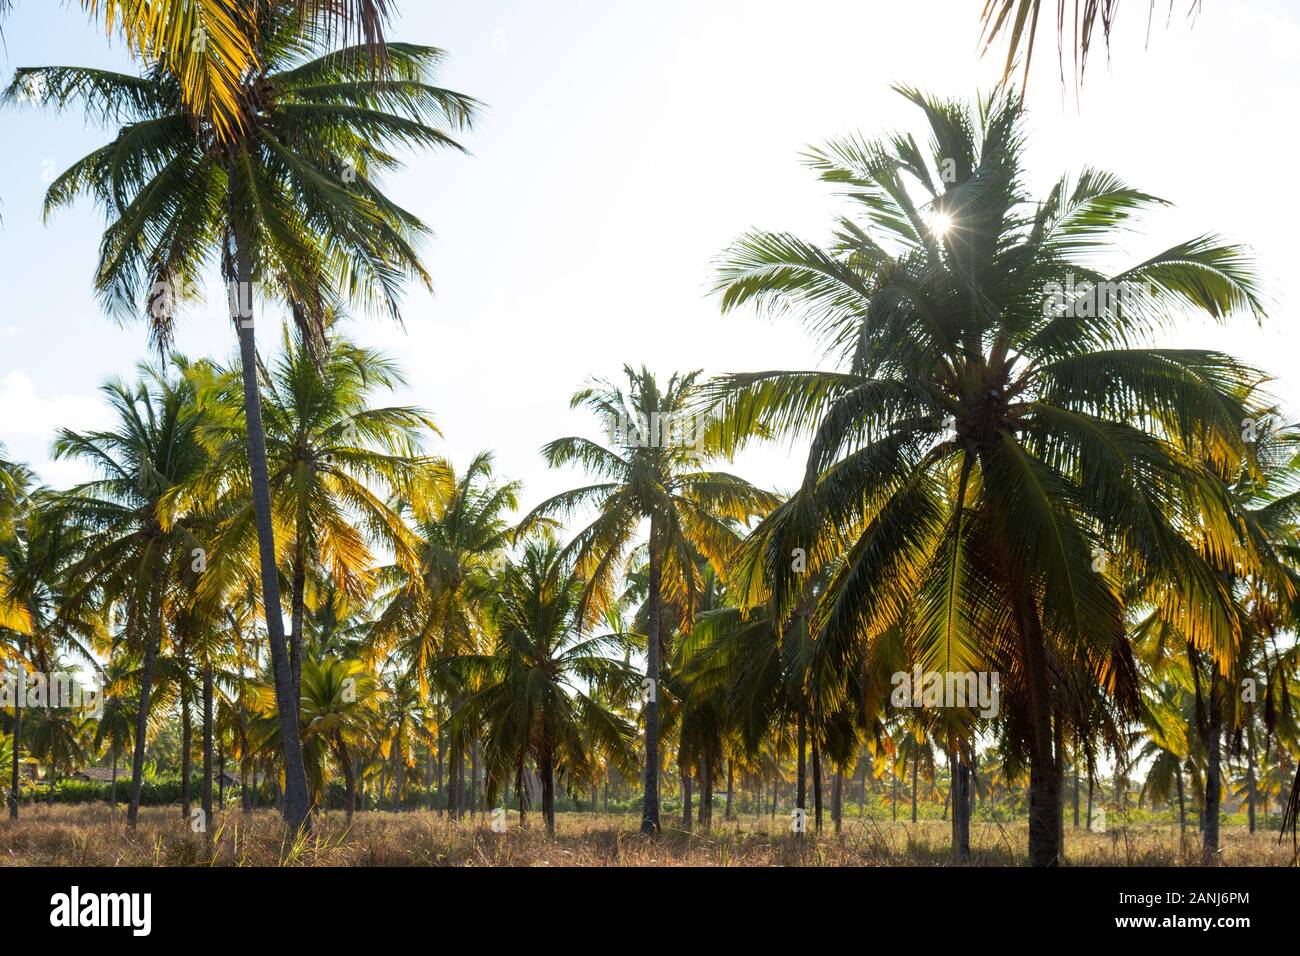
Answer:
[(96, 836)]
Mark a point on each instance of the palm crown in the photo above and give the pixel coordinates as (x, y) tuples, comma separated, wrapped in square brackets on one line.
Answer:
[(998, 421)]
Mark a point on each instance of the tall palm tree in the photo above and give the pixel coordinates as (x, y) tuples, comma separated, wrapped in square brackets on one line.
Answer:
[(437, 610), (124, 557), (288, 206), (992, 428), (652, 470), (535, 700)]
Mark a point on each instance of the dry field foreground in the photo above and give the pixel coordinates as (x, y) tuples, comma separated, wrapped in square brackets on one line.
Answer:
[(95, 836)]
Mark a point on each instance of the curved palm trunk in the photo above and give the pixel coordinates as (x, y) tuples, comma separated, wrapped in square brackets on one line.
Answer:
[(18, 729), (296, 807), (650, 808), (152, 640)]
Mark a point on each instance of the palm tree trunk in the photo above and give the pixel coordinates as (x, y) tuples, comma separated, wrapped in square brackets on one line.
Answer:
[(801, 734), (349, 776), (1213, 770), (1044, 775), (731, 785), (837, 800), (548, 792), (650, 804), (684, 774), (19, 701), (152, 641), (1250, 777), (296, 807), (475, 804), (1076, 789), (915, 761), (706, 792), (1058, 729), (207, 748), (817, 782), (112, 788), (187, 758), (1182, 801)]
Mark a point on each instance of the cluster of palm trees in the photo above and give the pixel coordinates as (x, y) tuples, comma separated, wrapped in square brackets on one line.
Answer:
[(998, 481)]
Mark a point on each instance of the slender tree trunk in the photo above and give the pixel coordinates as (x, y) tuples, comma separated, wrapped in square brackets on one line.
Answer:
[(706, 792), (1076, 789), (961, 804), (19, 702), (152, 641), (207, 748), (1090, 799), (687, 781), (187, 757), (915, 760), (801, 806), (731, 786), (548, 793), (475, 792), (650, 808), (1213, 770), (817, 783), (1058, 728), (1250, 777), (1182, 800), (112, 790), (349, 776), (837, 800), (296, 806)]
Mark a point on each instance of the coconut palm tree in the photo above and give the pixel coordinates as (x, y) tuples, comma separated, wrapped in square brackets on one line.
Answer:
[(124, 557), (653, 470), (460, 520), (340, 712), (288, 206), (999, 424), (535, 700)]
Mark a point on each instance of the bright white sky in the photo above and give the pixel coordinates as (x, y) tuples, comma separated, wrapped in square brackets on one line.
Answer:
[(625, 143)]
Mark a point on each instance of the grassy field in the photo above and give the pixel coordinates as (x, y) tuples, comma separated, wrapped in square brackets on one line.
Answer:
[(96, 836)]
